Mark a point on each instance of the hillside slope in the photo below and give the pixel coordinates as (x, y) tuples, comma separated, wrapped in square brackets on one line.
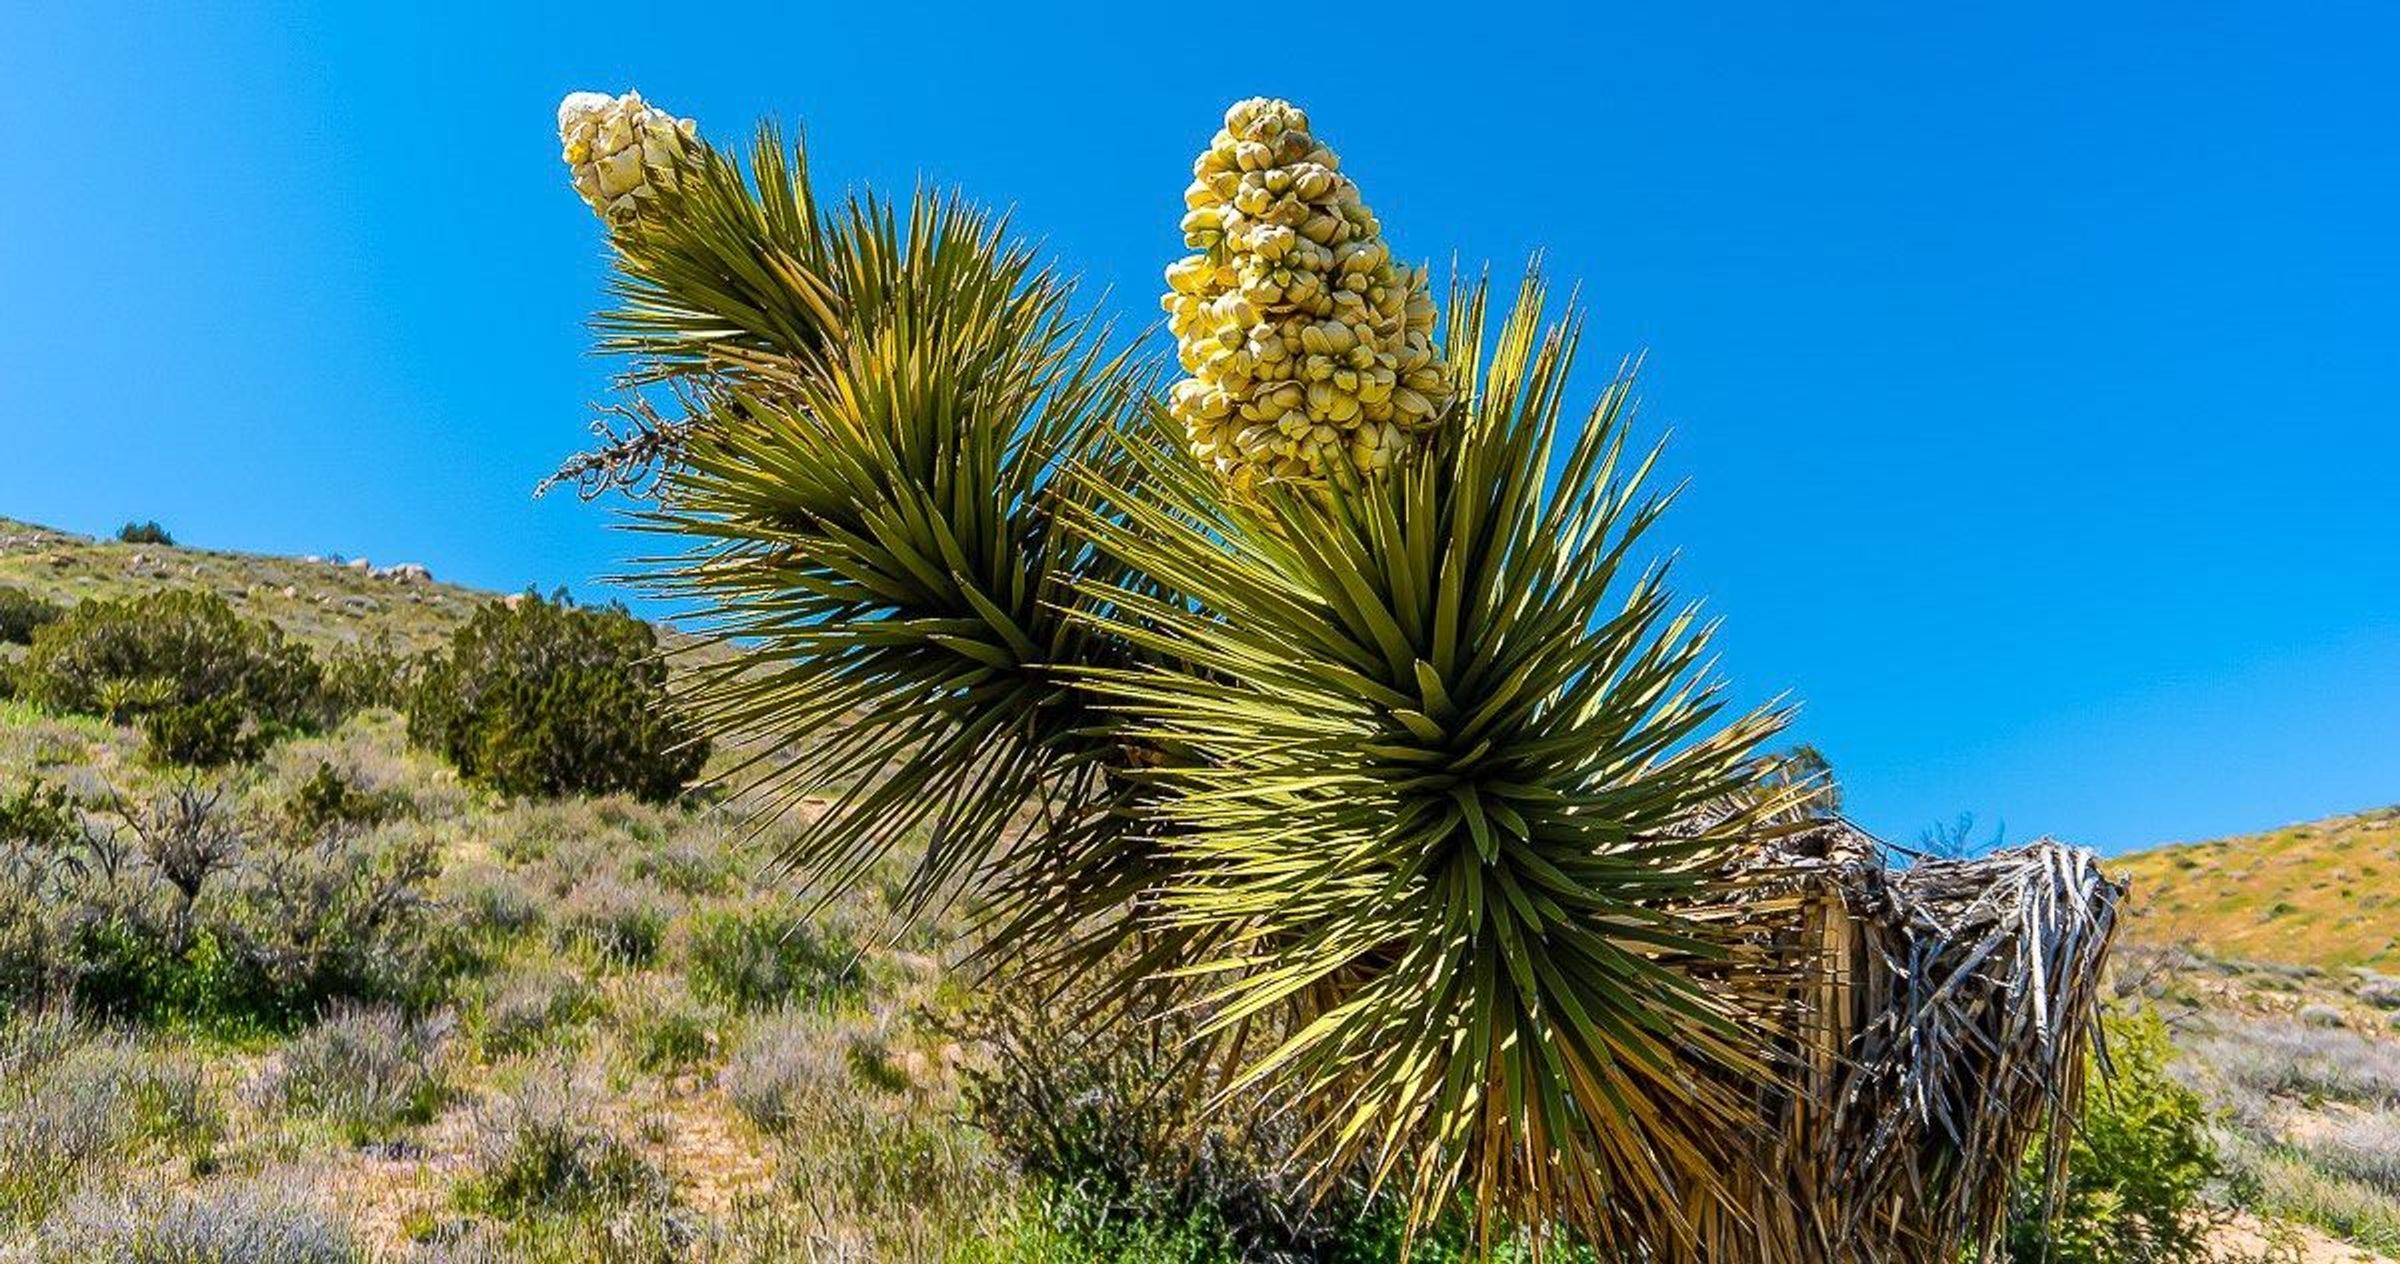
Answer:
[(320, 602), (2326, 893)]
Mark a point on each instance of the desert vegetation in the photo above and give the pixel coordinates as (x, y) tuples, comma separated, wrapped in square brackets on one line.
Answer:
[(1272, 816), (338, 1000)]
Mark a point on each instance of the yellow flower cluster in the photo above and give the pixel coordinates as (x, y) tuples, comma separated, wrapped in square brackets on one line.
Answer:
[(1306, 343), (615, 147)]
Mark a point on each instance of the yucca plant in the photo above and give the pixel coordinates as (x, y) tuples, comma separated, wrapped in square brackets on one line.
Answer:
[(1447, 780), (1334, 688), (879, 406)]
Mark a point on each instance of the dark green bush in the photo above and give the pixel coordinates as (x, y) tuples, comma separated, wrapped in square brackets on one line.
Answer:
[(545, 698), (357, 677), (21, 613), (330, 799), (38, 816), (205, 734), (175, 650), (2137, 1166), (41, 833), (144, 533)]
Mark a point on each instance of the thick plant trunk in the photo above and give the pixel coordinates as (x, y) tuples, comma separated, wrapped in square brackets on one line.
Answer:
[(1943, 1031)]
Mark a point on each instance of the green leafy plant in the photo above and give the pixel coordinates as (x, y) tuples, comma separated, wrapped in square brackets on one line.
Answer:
[(144, 533), (179, 909), (537, 1151), (329, 799), (758, 956), (542, 698), (357, 677), (220, 684), (39, 817), (2139, 1165), (205, 734), (22, 613)]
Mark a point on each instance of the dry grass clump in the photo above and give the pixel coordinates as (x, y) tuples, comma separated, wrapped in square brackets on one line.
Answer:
[(528, 1007), (2381, 991), (2319, 1014), (368, 1070), (662, 1027), (2310, 1119), (616, 921), (2287, 1184), (688, 867), (2278, 1058), (790, 1069), (2362, 1147), (79, 1106), (540, 1149), (491, 900), (261, 1221)]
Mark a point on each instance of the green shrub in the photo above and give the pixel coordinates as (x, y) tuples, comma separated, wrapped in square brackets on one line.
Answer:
[(2138, 1164), (1108, 1113), (177, 910), (144, 533), (687, 868), (666, 1029), (175, 650), (78, 1102), (1055, 1232), (206, 734), (757, 957), (22, 614), (329, 799), (541, 697), (357, 677), (38, 816)]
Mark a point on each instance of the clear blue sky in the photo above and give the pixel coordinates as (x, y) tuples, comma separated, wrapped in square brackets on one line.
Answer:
[(2036, 374)]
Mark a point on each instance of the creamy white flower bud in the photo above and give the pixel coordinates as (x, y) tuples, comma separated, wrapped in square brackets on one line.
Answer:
[(1308, 344), (621, 151)]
